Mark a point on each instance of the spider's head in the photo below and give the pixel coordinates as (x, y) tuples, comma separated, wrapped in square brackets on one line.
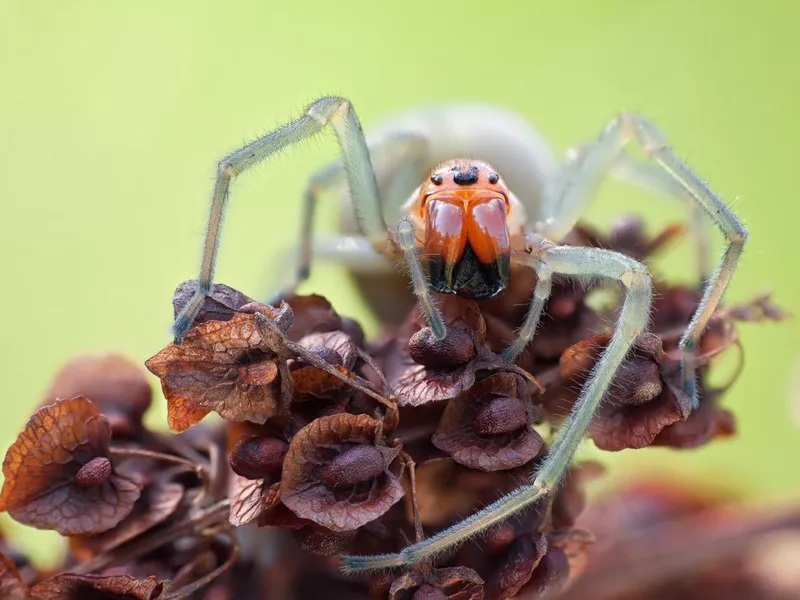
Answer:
[(464, 206)]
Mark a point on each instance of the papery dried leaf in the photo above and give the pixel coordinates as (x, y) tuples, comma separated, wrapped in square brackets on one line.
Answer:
[(115, 385), (345, 507), (221, 366), (11, 584), (549, 577), (157, 503), (457, 434), (96, 587), (221, 304), (704, 424), (456, 583), (40, 468), (335, 348), (250, 498), (516, 566), (313, 314)]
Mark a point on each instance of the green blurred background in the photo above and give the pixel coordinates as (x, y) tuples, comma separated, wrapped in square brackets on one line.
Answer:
[(113, 114)]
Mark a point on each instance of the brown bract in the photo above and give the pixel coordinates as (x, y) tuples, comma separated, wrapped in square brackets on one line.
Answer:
[(41, 488), (490, 426), (11, 584), (322, 483), (97, 587), (311, 383), (457, 583), (642, 400), (421, 369), (224, 366), (115, 385), (158, 502)]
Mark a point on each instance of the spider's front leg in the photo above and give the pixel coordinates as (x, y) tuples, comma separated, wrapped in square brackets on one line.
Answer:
[(564, 260), (334, 111)]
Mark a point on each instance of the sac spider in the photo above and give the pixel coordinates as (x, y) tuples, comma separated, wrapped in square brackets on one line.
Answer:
[(468, 225)]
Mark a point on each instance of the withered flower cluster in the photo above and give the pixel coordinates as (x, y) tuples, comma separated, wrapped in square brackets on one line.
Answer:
[(330, 444)]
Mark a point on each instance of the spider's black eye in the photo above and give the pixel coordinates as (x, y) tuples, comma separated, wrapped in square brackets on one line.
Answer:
[(466, 176), (436, 179), (494, 178)]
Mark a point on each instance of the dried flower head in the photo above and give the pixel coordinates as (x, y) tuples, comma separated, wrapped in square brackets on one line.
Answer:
[(59, 475), (339, 473)]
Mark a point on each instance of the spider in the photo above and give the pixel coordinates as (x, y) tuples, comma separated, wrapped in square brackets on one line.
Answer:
[(485, 193)]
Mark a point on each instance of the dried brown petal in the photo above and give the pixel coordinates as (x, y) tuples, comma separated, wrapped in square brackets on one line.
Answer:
[(224, 367), (97, 587), (40, 469), (337, 349), (346, 507), (250, 498), (158, 502), (115, 385), (457, 434), (11, 584), (257, 457), (704, 424), (313, 314), (456, 583), (221, 304), (516, 567)]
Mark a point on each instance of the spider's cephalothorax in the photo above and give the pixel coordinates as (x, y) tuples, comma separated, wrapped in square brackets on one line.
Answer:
[(464, 211)]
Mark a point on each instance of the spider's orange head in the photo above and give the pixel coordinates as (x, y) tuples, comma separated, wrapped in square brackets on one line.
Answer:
[(465, 208)]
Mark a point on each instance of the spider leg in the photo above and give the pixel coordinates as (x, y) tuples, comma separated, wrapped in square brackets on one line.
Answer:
[(654, 179), (564, 260), (334, 111), (422, 290), (399, 163), (579, 181)]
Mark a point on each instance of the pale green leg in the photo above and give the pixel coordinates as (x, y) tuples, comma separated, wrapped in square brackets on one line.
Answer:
[(580, 180), (564, 260), (541, 292), (399, 164), (337, 112), (422, 289)]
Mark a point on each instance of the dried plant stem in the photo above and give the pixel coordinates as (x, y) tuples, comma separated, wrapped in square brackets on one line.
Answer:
[(209, 516), (203, 581), (199, 470)]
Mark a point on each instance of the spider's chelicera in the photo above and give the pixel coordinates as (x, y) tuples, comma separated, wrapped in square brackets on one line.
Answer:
[(471, 219)]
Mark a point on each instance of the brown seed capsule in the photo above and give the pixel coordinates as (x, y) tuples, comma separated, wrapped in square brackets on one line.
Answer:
[(499, 537), (457, 348), (257, 457), (428, 592), (357, 464), (93, 473), (639, 382), (500, 415)]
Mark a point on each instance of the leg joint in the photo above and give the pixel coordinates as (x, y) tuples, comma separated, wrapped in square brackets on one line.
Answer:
[(636, 277)]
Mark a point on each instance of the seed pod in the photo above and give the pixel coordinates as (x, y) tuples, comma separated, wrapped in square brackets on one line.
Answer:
[(93, 473), (357, 464), (457, 348), (257, 457), (500, 415)]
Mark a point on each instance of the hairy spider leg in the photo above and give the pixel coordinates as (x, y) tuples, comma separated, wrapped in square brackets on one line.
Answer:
[(559, 260), (399, 162), (334, 111), (581, 180), (654, 179)]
